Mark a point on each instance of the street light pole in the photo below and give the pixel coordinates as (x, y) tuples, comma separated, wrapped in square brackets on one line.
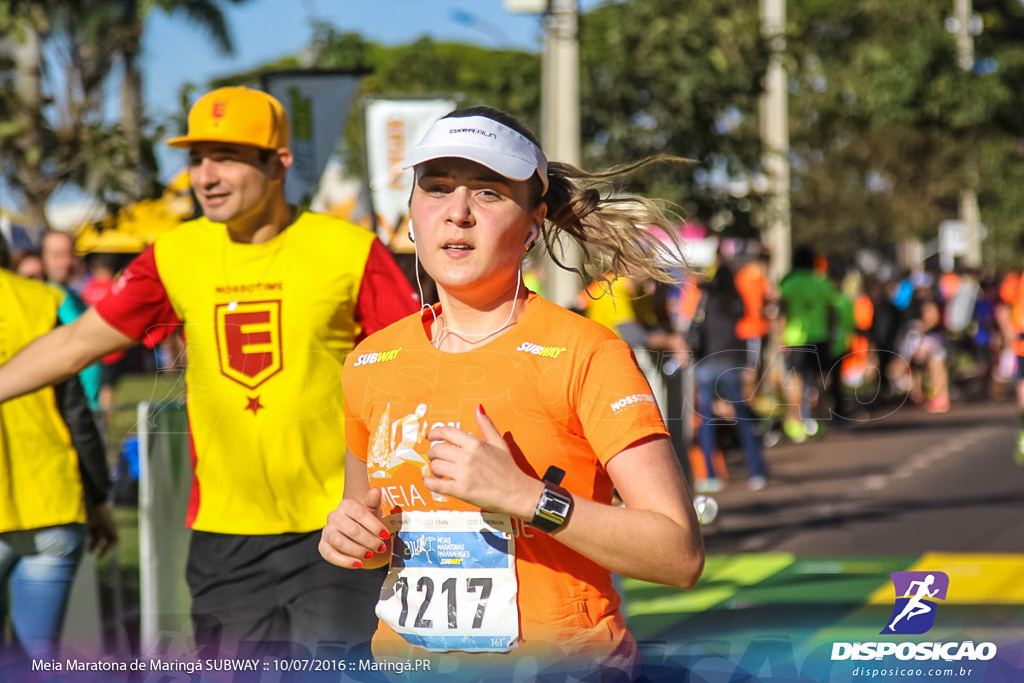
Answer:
[(560, 124), (969, 214), (775, 136)]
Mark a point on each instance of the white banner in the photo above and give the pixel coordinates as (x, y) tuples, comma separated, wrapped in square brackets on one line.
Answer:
[(392, 128), (318, 104)]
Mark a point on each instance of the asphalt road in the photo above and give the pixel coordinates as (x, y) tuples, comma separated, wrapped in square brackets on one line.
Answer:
[(807, 562), (901, 482)]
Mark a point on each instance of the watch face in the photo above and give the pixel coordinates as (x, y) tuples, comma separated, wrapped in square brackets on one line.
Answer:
[(553, 508), (557, 506)]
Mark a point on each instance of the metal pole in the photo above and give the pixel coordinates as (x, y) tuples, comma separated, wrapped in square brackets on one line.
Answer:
[(775, 136), (560, 132), (969, 213)]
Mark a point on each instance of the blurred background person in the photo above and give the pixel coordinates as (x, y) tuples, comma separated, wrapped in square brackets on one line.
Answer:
[(924, 345), (1010, 316), (806, 317), (53, 463), (61, 268), (721, 361), (103, 269), (759, 306), (635, 309), (28, 264)]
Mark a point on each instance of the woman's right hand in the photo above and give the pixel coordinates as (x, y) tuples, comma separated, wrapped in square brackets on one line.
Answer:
[(355, 535)]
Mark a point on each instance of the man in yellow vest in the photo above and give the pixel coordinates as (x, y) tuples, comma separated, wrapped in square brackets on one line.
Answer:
[(53, 473), (272, 299)]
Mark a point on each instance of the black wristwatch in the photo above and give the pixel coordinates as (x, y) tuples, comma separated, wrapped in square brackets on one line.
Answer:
[(555, 504)]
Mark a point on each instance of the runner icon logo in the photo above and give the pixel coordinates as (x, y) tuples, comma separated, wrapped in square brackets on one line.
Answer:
[(917, 594)]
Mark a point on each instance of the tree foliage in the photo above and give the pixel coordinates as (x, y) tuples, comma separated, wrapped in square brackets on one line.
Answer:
[(507, 79), (886, 129), (52, 129), (658, 77), (57, 66)]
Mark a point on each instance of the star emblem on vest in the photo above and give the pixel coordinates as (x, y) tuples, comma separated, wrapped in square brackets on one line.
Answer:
[(254, 404)]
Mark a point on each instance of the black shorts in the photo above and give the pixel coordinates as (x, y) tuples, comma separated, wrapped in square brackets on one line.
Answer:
[(275, 595), (810, 361)]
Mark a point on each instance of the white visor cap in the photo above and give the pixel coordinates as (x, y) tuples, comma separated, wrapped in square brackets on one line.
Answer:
[(484, 141)]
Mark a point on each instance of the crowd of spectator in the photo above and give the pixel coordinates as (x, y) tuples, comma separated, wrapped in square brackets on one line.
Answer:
[(826, 346)]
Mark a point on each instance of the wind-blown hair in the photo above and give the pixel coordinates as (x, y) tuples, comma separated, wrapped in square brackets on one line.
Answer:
[(615, 232)]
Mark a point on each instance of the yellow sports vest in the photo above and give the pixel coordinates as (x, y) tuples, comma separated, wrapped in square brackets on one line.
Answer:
[(40, 484), (611, 305), (267, 330)]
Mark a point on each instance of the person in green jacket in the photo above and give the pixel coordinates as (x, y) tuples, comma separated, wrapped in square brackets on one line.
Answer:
[(807, 312)]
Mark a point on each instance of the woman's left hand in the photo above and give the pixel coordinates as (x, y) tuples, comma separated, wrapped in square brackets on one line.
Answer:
[(480, 470)]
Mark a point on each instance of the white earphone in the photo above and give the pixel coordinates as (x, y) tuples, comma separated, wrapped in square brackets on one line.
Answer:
[(532, 238), (412, 237)]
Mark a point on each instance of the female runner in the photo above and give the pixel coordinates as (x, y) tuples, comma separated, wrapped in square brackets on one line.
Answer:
[(487, 433)]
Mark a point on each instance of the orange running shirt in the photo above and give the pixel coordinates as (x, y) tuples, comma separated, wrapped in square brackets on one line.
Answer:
[(564, 391), (754, 289), (267, 328), (1011, 292)]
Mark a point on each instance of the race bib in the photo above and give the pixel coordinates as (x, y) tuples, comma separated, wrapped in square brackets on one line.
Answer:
[(452, 582)]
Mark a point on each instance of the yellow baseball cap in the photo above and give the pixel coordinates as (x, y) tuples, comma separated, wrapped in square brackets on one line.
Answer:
[(240, 115)]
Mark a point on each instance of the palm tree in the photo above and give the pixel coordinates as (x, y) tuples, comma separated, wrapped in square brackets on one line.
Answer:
[(47, 137), (207, 15)]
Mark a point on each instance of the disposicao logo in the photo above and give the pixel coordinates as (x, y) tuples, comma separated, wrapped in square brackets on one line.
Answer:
[(917, 594), (917, 598)]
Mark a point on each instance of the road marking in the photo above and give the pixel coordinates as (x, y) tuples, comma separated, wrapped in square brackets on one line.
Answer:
[(723, 578), (974, 578), (925, 460)]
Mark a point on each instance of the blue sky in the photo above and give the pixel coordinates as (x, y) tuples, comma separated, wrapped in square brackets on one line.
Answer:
[(264, 30), (175, 52)]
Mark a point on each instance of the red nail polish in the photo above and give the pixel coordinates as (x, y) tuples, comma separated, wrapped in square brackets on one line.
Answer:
[(357, 564), (481, 409), (383, 548), (369, 554), (385, 535)]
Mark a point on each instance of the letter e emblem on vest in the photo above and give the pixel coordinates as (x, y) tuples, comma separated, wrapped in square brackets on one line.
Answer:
[(249, 341)]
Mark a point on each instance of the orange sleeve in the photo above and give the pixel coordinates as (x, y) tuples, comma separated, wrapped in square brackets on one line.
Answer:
[(615, 404)]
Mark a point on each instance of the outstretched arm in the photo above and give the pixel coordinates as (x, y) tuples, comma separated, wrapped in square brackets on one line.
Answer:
[(60, 354)]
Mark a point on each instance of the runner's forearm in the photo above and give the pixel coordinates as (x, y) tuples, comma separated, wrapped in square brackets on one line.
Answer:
[(59, 354), (656, 537)]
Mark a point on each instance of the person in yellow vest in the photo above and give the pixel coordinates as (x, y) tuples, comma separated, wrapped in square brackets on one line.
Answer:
[(272, 299), (614, 301), (54, 475)]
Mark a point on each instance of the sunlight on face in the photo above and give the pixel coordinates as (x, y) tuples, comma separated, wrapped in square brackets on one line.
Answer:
[(229, 180), (471, 225)]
